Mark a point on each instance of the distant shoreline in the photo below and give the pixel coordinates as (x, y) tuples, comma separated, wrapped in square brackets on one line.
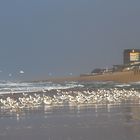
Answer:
[(122, 77)]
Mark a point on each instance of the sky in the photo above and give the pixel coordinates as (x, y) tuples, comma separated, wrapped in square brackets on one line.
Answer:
[(45, 38)]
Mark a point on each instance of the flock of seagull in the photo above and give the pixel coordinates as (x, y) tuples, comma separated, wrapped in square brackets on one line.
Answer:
[(67, 97)]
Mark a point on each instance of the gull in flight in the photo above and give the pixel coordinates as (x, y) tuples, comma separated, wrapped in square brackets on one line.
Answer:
[(21, 72)]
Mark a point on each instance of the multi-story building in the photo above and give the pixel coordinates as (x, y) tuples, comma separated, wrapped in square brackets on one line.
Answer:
[(131, 56)]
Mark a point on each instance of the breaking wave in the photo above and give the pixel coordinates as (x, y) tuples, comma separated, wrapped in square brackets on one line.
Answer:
[(7, 87)]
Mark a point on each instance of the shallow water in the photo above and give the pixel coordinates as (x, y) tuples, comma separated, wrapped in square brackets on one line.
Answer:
[(87, 122)]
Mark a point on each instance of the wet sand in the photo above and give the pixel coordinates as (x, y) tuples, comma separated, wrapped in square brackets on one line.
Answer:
[(123, 77), (111, 122)]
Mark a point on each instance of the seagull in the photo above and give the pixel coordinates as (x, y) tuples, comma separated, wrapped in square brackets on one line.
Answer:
[(21, 72)]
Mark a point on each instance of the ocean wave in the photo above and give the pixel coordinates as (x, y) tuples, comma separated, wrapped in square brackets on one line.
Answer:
[(20, 87), (123, 85)]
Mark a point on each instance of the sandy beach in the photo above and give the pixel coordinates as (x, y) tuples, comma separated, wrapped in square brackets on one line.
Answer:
[(123, 77)]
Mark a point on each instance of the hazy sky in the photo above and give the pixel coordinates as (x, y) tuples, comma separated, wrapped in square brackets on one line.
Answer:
[(59, 37)]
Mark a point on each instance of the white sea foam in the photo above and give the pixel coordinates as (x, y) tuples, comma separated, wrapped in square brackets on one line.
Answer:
[(123, 85), (17, 87), (20, 87)]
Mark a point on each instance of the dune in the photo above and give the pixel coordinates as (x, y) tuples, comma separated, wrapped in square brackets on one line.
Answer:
[(123, 77)]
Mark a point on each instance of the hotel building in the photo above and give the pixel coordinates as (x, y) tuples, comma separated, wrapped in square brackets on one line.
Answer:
[(131, 56)]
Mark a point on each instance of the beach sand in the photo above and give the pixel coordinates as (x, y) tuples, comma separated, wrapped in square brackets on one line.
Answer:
[(123, 77)]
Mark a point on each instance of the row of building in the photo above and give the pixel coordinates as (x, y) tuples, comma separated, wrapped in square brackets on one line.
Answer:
[(131, 61)]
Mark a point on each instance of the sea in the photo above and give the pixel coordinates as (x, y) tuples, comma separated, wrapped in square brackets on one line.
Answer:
[(69, 110)]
